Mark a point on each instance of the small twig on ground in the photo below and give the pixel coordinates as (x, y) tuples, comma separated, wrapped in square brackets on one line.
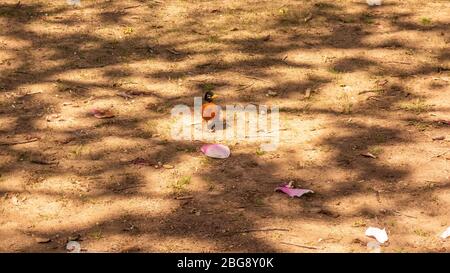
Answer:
[(91, 67), (373, 98), (245, 87), (259, 230), (368, 155), (297, 245), (441, 154), (204, 80), (256, 78), (377, 194), (33, 93), (173, 51), (395, 211), (183, 197), (19, 141), (124, 95), (370, 91), (132, 7), (309, 17), (395, 62)]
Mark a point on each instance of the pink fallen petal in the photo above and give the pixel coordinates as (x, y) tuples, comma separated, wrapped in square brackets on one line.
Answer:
[(102, 114), (216, 150), (293, 192)]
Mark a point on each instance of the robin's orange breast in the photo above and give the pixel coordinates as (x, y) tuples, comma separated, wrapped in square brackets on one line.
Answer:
[(209, 111)]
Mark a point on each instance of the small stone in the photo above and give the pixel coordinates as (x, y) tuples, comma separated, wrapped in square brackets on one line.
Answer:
[(439, 138), (308, 93), (42, 240), (315, 210), (15, 200)]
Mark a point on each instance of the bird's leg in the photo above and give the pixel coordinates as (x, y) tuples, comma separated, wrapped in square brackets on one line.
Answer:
[(211, 125)]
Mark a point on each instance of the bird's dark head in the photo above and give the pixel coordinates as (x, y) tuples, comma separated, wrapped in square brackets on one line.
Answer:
[(209, 96)]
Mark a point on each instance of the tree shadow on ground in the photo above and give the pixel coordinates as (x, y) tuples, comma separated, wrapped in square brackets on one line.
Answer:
[(245, 181)]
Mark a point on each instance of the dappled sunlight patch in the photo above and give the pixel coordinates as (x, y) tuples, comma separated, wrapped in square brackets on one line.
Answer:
[(7, 124), (349, 80)]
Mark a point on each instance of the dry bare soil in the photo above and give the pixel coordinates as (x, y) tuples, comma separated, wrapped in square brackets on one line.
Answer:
[(379, 80)]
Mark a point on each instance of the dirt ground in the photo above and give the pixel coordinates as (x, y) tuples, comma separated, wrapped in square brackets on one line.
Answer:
[(379, 80)]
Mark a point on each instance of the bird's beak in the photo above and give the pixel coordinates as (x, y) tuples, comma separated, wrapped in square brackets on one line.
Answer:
[(215, 96)]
